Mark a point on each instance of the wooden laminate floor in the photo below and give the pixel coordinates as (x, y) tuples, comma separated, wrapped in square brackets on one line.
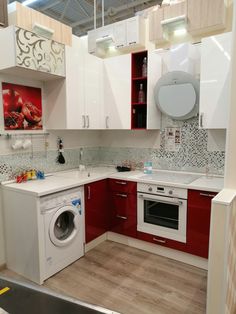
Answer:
[(132, 281)]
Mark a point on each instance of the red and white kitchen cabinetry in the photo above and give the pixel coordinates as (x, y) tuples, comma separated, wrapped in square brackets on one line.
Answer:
[(117, 91), (123, 207), (198, 222), (96, 209)]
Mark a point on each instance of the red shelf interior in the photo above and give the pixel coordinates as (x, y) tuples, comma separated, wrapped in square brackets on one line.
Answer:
[(137, 62), (139, 117), (139, 110)]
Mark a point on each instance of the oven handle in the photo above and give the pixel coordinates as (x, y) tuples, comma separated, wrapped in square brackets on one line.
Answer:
[(176, 202)]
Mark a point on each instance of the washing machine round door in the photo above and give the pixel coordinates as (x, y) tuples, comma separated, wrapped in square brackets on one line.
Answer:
[(64, 226)]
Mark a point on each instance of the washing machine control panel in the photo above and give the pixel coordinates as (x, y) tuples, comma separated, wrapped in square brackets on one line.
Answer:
[(61, 198)]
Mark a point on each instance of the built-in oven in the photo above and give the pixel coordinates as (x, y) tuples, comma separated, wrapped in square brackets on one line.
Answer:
[(162, 211)]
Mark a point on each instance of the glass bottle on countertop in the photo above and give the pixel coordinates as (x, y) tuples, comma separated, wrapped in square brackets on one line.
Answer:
[(141, 94), (144, 67)]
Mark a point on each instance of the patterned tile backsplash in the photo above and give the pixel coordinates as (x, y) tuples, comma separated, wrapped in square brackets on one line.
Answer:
[(191, 156)]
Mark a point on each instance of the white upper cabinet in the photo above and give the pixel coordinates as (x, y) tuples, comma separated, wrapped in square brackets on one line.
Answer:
[(65, 97), (127, 34), (117, 92), (135, 31), (120, 34), (154, 74), (24, 51), (215, 81), (93, 77)]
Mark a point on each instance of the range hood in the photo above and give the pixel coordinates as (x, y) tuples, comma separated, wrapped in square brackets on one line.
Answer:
[(105, 42)]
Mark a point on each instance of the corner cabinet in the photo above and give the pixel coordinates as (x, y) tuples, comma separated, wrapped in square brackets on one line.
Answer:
[(215, 81), (24, 51)]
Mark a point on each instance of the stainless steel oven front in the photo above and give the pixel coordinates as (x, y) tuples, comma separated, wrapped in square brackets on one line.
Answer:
[(162, 211)]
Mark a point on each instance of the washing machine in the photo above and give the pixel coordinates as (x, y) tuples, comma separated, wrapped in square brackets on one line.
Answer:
[(64, 234)]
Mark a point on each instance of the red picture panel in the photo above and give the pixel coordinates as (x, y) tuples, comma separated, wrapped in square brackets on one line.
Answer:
[(22, 107)]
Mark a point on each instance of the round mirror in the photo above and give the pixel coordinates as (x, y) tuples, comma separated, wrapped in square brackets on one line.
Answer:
[(177, 95)]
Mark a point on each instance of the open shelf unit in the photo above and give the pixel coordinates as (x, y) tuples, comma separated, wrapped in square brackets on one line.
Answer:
[(138, 109)]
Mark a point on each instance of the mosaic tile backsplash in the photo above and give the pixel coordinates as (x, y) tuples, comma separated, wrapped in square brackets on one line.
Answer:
[(192, 155)]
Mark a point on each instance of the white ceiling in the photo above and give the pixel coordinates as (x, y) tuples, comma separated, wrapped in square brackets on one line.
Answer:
[(79, 13)]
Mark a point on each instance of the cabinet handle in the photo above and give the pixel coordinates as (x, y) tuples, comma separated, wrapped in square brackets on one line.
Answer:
[(121, 217), (158, 240), (87, 117), (207, 194), (121, 182), (119, 46), (2, 24), (122, 195), (132, 42), (84, 123), (201, 120), (89, 193), (107, 119)]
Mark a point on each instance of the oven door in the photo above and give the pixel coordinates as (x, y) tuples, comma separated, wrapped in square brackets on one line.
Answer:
[(162, 216)]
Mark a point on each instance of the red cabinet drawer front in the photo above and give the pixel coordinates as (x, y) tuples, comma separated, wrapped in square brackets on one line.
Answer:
[(123, 213), (162, 241), (123, 186), (198, 222), (124, 225), (124, 204), (200, 198)]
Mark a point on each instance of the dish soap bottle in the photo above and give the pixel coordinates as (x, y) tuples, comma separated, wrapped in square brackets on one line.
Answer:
[(141, 95), (144, 67)]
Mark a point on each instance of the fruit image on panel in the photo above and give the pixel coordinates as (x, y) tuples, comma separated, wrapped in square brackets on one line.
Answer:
[(22, 107)]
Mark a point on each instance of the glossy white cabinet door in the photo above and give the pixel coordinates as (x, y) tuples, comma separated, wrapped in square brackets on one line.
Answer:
[(154, 73), (117, 92), (119, 29), (75, 102), (93, 91), (215, 81), (135, 29)]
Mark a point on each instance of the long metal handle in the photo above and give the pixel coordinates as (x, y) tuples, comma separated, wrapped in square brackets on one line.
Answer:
[(122, 195), (121, 217), (132, 42), (107, 119), (158, 240), (87, 117), (84, 123), (201, 120), (207, 194), (177, 202), (89, 193), (121, 182)]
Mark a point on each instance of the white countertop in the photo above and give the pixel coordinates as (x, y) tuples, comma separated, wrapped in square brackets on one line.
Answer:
[(72, 178)]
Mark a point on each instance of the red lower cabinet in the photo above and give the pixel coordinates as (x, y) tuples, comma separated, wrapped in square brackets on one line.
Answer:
[(123, 207), (162, 241), (96, 209), (198, 222)]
